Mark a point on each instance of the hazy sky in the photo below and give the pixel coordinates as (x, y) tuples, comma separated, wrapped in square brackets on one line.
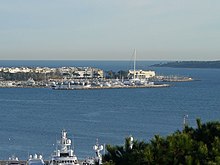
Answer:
[(110, 29)]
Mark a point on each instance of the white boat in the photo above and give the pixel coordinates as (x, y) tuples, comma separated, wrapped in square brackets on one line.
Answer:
[(13, 160), (70, 86), (64, 154), (35, 160)]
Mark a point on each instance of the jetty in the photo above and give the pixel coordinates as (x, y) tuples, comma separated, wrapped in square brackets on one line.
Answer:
[(114, 87)]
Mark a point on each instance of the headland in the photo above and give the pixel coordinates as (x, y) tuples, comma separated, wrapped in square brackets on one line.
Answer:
[(190, 64)]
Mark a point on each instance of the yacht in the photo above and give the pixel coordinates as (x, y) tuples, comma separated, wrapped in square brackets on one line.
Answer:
[(13, 160), (64, 154), (35, 160)]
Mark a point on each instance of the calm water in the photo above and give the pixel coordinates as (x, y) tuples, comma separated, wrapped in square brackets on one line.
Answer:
[(31, 119)]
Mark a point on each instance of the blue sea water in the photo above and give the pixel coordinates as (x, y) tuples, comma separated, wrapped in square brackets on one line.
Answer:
[(31, 119)]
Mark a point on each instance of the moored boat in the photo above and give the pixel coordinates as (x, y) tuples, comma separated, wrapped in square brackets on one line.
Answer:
[(35, 160), (13, 160), (64, 154)]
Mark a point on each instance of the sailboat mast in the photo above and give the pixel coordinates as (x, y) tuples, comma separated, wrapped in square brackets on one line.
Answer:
[(134, 62)]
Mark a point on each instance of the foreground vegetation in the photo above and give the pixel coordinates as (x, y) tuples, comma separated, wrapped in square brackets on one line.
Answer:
[(189, 146)]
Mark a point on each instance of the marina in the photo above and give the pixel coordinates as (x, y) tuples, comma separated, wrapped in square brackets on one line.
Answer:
[(76, 84), (106, 84), (86, 77)]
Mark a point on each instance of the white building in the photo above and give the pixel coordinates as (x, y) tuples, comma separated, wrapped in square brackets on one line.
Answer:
[(87, 72), (141, 74)]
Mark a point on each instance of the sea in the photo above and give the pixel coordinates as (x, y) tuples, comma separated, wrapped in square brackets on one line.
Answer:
[(31, 119)]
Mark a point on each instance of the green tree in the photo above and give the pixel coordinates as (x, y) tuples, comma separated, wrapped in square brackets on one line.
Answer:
[(190, 146)]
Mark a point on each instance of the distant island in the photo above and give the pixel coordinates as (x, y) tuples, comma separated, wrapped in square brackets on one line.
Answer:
[(190, 64)]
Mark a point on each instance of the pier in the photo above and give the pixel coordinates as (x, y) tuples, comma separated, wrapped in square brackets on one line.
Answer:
[(115, 87)]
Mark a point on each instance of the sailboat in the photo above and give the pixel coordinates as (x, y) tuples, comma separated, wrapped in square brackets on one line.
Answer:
[(136, 80), (138, 77)]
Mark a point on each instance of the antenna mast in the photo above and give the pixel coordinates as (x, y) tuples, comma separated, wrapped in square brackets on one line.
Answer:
[(185, 121)]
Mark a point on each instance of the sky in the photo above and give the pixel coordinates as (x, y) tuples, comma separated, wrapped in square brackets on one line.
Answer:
[(109, 29)]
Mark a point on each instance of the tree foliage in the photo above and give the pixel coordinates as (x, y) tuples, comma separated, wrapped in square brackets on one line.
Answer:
[(114, 75), (21, 76), (199, 145)]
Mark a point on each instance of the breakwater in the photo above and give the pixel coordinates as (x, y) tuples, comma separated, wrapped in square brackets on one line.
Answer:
[(115, 87)]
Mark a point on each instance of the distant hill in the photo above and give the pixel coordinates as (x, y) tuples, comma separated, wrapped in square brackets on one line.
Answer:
[(190, 64)]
